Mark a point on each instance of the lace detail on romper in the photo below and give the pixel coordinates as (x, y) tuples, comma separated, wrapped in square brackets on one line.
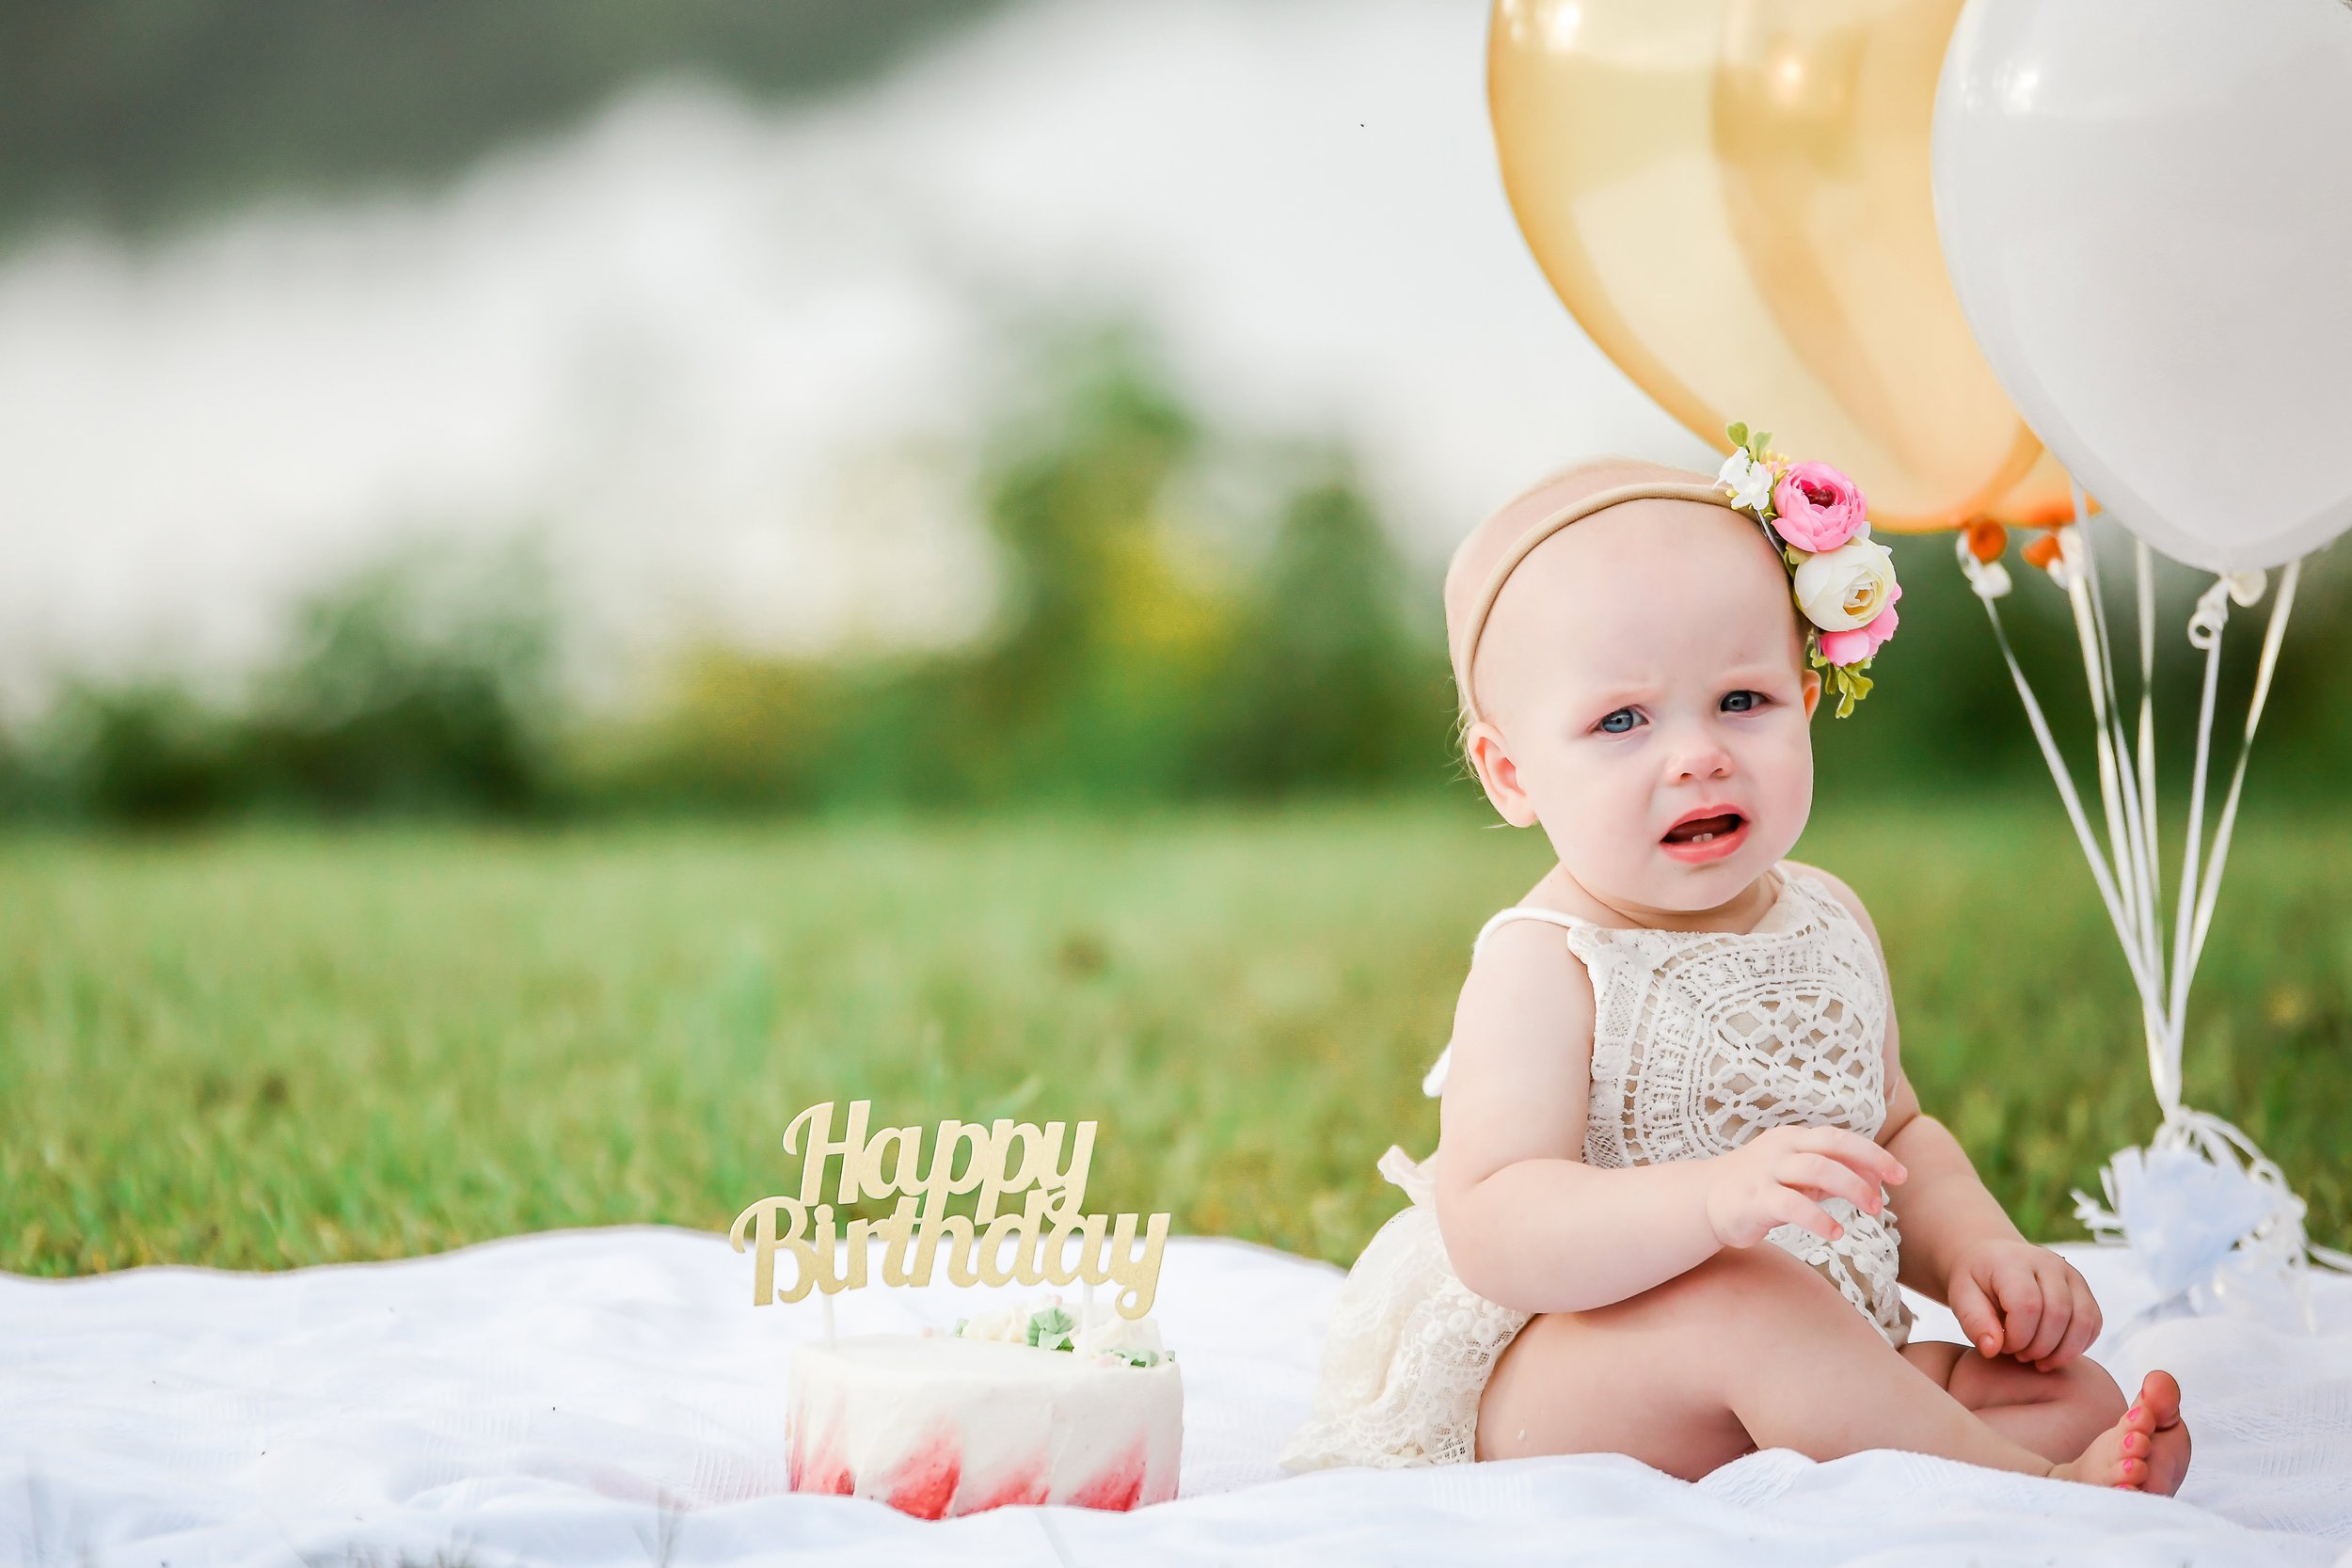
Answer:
[(1701, 1040)]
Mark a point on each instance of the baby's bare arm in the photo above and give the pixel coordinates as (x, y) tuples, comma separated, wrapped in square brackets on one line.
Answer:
[(1946, 1208), (1959, 1244), (1526, 1222)]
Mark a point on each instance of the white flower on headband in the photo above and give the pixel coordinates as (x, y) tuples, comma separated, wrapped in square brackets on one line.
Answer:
[(1749, 481), (1844, 589)]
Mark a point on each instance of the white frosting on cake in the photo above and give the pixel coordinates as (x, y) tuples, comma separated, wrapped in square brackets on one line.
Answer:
[(938, 1425)]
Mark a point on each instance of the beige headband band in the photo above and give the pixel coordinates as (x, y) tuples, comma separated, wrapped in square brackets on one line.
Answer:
[(1598, 501)]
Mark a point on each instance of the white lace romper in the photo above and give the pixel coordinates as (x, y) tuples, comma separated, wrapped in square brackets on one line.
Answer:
[(1701, 1040)]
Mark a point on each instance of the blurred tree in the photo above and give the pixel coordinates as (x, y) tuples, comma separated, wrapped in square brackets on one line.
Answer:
[(733, 731), (1089, 680), (1329, 681), (410, 688), (147, 753), (1123, 665)]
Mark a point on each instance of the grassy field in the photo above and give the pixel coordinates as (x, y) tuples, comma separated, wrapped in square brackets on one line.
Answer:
[(270, 1049)]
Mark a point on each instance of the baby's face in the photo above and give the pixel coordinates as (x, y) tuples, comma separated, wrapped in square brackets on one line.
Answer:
[(1644, 668)]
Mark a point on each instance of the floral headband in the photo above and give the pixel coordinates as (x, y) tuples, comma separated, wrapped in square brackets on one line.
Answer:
[(1843, 582), (1844, 585)]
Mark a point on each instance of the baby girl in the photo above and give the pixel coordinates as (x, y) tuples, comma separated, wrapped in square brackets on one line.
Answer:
[(1680, 1045)]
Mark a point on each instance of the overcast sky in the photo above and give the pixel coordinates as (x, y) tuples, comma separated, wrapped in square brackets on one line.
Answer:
[(695, 342)]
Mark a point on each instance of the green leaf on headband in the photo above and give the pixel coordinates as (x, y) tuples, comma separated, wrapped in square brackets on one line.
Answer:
[(1738, 433), (1846, 682), (1852, 688), (1763, 444)]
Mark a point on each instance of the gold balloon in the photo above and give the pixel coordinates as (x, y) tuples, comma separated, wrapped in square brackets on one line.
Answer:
[(1731, 196)]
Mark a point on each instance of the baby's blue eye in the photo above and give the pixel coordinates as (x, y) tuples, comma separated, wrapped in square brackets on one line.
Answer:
[(1742, 702), (1619, 721)]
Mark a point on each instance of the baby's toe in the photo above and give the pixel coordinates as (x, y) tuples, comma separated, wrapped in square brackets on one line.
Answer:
[(2160, 1397)]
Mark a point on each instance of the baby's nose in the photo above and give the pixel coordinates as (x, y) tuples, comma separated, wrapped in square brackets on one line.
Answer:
[(1702, 758)]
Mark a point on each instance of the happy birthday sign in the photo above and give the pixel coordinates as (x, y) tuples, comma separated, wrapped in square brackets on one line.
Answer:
[(999, 1158)]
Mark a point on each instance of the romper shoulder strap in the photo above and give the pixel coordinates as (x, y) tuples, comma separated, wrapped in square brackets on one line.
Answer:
[(1524, 911), (1433, 1084)]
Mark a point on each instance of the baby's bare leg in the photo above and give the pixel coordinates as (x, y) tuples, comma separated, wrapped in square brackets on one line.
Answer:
[(1751, 1348), (2056, 1413)]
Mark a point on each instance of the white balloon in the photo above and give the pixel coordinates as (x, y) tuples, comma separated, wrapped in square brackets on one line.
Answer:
[(2146, 209)]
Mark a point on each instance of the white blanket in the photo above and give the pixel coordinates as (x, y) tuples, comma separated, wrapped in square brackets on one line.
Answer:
[(608, 1397)]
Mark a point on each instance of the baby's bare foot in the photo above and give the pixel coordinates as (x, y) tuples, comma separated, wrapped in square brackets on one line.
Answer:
[(2145, 1451)]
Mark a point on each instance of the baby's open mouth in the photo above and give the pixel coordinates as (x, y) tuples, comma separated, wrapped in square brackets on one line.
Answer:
[(1704, 830)]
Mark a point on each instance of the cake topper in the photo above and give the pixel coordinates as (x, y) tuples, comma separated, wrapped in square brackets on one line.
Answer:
[(998, 1159)]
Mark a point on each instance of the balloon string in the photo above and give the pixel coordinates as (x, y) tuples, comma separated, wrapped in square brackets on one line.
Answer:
[(2140, 801), (2132, 829), (2211, 620), (2273, 634), (2144, 562), (2083, 597), (2149, 989), (2130, 807), (2121, 845)]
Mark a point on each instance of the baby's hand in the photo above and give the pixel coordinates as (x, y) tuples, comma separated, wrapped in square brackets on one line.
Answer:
[(2017, 1299), (1780, 1176)]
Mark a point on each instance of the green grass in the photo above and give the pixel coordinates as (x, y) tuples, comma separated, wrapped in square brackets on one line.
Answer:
[(269, 1049)]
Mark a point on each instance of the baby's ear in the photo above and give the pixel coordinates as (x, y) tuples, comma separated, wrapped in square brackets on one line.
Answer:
[(1498, 773), (1812, 691)]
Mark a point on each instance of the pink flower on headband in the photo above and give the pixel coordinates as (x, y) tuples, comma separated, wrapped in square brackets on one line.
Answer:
[(1846, 647), (1817, 507)]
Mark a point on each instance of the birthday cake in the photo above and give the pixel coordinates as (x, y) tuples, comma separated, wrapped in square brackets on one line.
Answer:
[(1019, 1406), (1042, 1403)]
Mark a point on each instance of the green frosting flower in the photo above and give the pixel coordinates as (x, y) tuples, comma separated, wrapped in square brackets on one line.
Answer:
[(1052, 1329)]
